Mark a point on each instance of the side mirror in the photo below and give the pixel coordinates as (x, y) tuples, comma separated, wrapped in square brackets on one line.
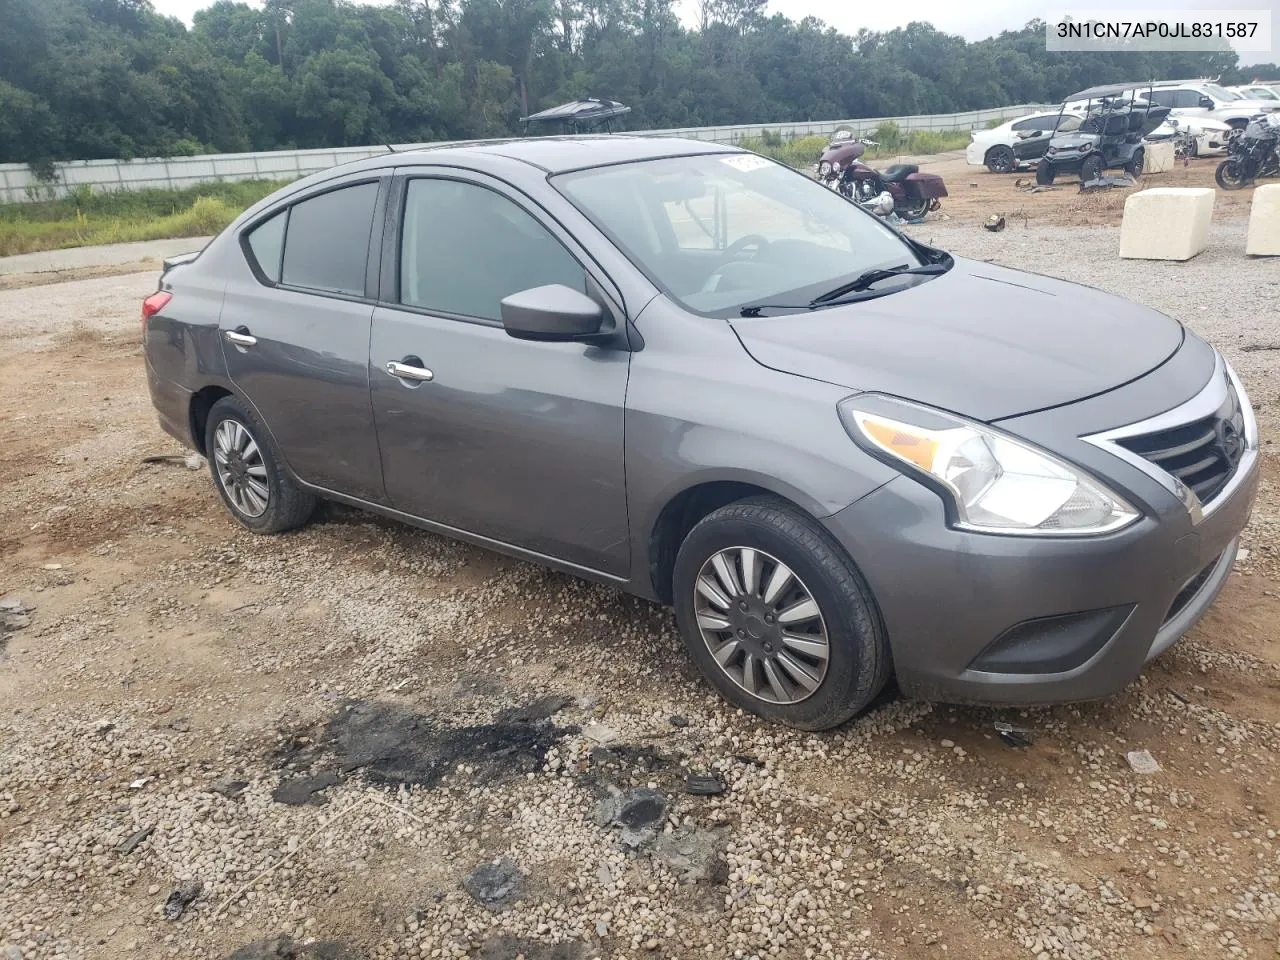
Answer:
[(1206, 103), (553, 313)]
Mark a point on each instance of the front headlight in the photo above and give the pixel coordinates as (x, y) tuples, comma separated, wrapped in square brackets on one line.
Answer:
[(995, 483)]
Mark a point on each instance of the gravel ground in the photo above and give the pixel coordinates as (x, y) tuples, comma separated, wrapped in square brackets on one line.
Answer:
[(320, 736)]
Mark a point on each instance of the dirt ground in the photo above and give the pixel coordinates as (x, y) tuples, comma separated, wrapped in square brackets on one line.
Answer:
[(319, 736), (974, 193)]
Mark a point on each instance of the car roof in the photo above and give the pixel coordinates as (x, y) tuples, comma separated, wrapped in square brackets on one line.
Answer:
[(562, 154), (1107, 90)]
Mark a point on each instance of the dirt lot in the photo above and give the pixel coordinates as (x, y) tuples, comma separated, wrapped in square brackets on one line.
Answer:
[(321, 730), (975, 193)]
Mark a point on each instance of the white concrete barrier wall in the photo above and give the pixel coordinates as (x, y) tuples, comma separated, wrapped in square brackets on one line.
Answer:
[(1264, 222), (1166, 223), (18, 184), (1158, 157)]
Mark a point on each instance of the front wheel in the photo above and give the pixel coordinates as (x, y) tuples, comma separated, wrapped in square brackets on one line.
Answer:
[(1230, 174), (1091, 168), (1045, 173), (776, 618), (248, 471)]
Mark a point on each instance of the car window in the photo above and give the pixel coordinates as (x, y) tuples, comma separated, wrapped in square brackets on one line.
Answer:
[(327, 243), (500, 250), (1164, 98), (1027, 124), (1068, 123), (266, 242), (719, 231), (1187, 98)]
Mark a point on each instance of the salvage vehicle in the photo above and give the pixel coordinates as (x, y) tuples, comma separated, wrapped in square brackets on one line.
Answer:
[(1109, 137), (1193, 137), (902, 189), (690, 373), (1017, 144)]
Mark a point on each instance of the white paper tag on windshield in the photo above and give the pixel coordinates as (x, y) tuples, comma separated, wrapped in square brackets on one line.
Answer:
[(745, 161)]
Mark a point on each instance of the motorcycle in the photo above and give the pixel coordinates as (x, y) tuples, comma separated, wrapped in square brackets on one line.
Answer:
[(1251, 153), (902, 189)]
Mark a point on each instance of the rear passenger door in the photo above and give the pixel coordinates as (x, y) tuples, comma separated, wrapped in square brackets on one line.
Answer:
[(512, 440), (295, 326)]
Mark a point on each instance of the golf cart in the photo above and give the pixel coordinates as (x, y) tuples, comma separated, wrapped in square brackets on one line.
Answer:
[(588, 115), (1109, 137)]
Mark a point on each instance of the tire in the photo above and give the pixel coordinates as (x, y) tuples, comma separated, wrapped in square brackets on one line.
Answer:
[(254, 464), (917, 210), (1001, 159), (1136, 163), (1229, 175), (1045, 173), (854, 663), (1091, 168)]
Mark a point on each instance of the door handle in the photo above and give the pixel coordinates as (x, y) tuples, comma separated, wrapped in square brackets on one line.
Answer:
[(240, 338), (409, 371)]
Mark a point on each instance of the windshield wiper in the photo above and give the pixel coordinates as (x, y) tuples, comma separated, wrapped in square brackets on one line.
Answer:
[(865, 280)]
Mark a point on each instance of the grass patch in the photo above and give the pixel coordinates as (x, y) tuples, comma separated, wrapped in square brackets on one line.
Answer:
[(86, 218), (803, 152)]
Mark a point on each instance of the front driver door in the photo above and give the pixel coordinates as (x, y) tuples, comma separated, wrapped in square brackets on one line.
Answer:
[(516, 441)]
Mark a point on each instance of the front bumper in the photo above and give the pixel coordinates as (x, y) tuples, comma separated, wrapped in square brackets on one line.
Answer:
[(1022, 620)]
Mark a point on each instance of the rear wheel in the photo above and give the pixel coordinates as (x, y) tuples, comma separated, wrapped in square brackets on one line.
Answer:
[(1045, 173), (1091, 168), (915, 209), (776, 617), (1230, 175), (1136, 163), (248, 472), (1000, 159)]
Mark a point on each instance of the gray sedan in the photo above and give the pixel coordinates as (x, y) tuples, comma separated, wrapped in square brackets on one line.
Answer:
[(693, 374)]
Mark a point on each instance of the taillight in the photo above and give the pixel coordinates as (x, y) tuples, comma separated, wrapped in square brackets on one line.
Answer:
[(154, 304)]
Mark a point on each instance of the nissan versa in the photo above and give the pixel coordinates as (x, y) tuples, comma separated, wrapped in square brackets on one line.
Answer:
[(694, 374)]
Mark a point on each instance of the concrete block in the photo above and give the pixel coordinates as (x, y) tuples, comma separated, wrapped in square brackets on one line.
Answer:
[(1264, 222), (1157, 157), (1166, 223)]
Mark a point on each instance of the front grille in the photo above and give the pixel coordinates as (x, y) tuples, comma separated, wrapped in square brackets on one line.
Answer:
[(1202, 454)]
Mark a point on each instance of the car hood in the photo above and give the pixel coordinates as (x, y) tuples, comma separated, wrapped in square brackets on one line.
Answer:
[(983, 341), (1073, 141)]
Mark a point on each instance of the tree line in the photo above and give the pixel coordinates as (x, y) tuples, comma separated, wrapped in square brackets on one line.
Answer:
[(86, 79)]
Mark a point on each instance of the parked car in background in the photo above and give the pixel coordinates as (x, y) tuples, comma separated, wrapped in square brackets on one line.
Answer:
[(1017, 143), (1205, 99), (1257, 91), (848, 454)]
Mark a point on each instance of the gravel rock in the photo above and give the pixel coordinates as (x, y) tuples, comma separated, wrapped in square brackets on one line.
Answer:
[(181, 898)]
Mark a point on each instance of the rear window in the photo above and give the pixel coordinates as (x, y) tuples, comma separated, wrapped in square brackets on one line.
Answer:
[(266, 243), (327, 244)]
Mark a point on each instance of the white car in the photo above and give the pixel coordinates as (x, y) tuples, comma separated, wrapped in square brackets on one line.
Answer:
[(1207, 136), (1017, 143), (1257, 91), (1205, 99)]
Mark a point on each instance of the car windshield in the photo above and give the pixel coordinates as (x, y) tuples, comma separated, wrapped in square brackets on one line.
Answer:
[(1222, 93), (1262, 93), (720, 231)]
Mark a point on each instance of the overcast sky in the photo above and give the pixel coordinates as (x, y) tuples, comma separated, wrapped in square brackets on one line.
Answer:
[(973, 21)]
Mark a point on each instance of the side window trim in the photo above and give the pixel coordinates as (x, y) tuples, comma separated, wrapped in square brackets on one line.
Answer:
[(388, 287), (373, 255)]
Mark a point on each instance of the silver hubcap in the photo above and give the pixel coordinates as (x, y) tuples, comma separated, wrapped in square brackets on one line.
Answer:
[(241, 471), (761, 624)]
